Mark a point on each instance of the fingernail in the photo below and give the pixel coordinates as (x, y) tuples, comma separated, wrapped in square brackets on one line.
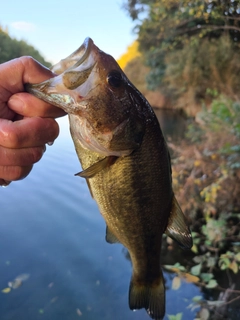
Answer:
[(50, 143), (16, 104)]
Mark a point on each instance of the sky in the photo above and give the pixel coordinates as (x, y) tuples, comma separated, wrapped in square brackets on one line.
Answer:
[(57, 28)]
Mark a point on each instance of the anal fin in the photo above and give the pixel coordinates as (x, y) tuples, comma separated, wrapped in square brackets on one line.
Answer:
[(110, 237), (177, 227)]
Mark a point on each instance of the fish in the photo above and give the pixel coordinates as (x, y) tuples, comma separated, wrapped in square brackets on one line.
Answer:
[(125, 161)]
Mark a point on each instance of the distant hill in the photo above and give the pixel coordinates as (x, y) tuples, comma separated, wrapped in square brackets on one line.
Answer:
[(11, 48)]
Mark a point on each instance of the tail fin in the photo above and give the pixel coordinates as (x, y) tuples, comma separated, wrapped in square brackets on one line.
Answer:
[(148, 296)]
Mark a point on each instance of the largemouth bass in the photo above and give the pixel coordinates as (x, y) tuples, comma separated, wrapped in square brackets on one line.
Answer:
[(125, 162)]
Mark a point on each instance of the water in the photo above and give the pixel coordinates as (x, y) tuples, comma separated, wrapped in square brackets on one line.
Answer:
[(52, 230), (172, 122)]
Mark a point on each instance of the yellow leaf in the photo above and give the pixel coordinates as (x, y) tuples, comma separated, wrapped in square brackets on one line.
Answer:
[(194, 248), (234, 267), (190, 278), (132, 52), (6, 290), (191, 11), (171, 268), (197, 182), (197, 163), (176, 283)]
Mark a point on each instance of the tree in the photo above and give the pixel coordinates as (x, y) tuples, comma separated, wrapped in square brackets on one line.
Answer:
[(168, 29), (131, 53), (12, 48), (168, 20)]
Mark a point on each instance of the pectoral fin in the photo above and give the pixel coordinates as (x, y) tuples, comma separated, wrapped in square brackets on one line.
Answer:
[(97, 167), (110, 237), (177, 228)]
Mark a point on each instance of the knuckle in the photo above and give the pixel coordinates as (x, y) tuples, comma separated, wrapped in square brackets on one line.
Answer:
[(21, 172), (36, 154), (12, 173), (27, 61), (51, 131), (55, 129), (16, 173), (13, 139)]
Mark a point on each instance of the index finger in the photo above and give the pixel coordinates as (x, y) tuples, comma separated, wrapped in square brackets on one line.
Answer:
[(15, 73), (29, 106)]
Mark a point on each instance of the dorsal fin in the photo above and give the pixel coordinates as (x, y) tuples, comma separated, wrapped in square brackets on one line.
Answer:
[(177, 227), (97, 167)]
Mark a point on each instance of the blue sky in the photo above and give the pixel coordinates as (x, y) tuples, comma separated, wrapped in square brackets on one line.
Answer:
[(56, 28)]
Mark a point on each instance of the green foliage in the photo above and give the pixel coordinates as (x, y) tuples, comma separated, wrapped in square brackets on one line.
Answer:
[(224, 112), (202, 66), (206, 178), (169, 23), (189, 46), (214, 160), (178, 316), (192, 50), (12, 48), (230, 260)]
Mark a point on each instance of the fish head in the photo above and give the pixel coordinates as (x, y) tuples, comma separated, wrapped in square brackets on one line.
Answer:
[(106, 111)]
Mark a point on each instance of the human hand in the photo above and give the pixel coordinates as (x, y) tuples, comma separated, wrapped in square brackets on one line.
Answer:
[(26, 123)]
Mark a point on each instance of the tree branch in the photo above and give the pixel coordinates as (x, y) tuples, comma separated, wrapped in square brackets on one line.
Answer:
[(231, 18), (212, 27)]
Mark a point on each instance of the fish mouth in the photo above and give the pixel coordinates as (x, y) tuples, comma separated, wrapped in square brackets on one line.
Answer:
[(69, 88), (74, 59)]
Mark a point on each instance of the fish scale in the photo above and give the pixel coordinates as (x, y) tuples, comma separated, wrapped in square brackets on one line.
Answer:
[(127, 187), (125, 162)]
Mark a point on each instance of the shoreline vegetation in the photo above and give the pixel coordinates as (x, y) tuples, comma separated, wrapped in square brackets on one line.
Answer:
[(11, 48), (187, 54)]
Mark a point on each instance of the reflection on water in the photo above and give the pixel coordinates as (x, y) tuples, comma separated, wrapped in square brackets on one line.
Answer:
[(51, 230)]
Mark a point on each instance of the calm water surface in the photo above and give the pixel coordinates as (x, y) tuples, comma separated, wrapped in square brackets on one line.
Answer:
[(52, 230)]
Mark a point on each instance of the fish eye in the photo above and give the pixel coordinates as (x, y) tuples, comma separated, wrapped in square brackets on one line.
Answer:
[(114, 78)]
